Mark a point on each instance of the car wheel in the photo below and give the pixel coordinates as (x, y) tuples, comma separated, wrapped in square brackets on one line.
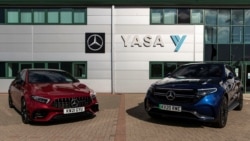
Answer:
[(10, 102), (24, 113), (240, 100), (223, 113)]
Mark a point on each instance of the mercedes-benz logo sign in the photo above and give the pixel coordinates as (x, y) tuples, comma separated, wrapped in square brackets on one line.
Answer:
[(74, 103), (170, 95), (95, 42)]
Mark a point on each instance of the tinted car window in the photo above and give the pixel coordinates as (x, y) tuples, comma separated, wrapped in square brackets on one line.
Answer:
[(42, 76), (199, 71)]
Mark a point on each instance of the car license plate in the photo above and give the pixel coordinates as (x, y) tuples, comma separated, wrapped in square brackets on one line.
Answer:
[(170, 107), (73, 110)]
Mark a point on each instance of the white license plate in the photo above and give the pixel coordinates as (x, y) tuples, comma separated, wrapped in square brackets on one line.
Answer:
[(74, 110), (170, 107)]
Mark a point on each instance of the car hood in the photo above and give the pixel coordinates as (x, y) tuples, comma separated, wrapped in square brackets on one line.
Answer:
[(177, 82), (59, 89)]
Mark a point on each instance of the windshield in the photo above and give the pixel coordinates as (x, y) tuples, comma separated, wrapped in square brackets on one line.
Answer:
[(50, 76), (199, 71)]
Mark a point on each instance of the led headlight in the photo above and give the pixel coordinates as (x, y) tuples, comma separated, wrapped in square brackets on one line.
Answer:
[(41, 99), (92, 94), (205, 91)]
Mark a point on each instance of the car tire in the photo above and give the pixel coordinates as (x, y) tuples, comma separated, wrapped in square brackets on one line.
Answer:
[(10, 102), (24, 112), (223, 114), (240, 100)]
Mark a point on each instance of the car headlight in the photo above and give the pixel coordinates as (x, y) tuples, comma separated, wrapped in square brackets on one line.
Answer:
[(203, 92), (41, 99), (92, 94)]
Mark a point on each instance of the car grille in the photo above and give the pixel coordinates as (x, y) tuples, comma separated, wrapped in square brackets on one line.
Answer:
[(71, 102), (180, 95)]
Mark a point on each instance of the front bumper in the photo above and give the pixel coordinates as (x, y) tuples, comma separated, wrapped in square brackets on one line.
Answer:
[(206, 109), (39, 112)]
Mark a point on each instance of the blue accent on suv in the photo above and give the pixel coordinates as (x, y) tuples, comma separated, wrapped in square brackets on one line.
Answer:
[(200, 91)]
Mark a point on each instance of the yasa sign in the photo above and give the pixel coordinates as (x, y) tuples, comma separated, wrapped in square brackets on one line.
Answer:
[(153, 41)]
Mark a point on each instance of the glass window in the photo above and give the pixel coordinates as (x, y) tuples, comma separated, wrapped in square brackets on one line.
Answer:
[(247, 53), (210, 17), (79, 16), (247, 17), (237, 34), (26, 16), (224, 17), (26, 66), (183, 16), (80, 70), (66, 17), (67, 66), (39, 16), (12, 16), (2, 70), (12, 69), (156, 16), (156, 70), (53, 65), (247, 35), (223, 53), (237, 52), (53, 16), (237, 17), (210, 52), (39, 65), (210, 34), (223, 35), (196, 16), (170, 16)]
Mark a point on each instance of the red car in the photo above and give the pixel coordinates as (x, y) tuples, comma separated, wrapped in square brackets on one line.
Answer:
[(42, 95)]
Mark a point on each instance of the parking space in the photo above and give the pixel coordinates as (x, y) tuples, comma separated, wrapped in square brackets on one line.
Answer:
[(122, 118)]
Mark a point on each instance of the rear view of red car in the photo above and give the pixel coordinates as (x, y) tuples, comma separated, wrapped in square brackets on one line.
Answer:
[(42, 95)]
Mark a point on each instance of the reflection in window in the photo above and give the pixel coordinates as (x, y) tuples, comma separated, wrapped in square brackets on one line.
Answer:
[(237, 17), (12, 69), (247, 17), (39, 16), (210, 17), (210, 52), (184, 16), (156, 70), (66, 17), (156, 16), (79, 16), (80, 70), (26, 16), (197, 16), (210, 34), (53, 16), (168, 68), (224, 17), (12, 16), (170, 16), (237, 34), (247, 34), (223, 35), (53, 65)]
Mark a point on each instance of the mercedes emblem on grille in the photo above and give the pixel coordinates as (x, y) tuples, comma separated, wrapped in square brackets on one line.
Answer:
[(74, 103), (170, 95)]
